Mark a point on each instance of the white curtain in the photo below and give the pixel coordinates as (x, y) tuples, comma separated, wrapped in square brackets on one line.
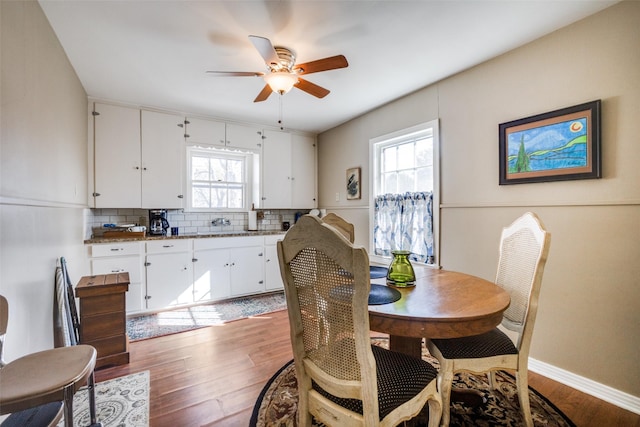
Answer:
[(404, 222)]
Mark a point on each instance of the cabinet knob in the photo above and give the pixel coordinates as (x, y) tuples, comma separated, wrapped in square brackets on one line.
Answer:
[(96, 194), (194, 259), (137, 167), (180, 196)]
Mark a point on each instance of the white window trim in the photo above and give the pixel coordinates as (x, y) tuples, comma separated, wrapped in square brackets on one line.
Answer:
[(374, 178), (248, 179)]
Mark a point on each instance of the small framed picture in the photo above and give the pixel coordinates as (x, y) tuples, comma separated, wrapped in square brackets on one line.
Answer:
[(353, 184), (555, 146)]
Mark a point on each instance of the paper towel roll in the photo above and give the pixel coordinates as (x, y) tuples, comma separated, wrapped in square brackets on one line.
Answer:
[(253, 221)]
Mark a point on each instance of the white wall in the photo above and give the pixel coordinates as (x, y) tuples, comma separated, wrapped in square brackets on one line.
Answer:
[(43, 176), (589, 317)]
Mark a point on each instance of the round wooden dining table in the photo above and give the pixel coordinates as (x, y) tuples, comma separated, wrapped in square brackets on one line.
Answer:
[(442, 304)]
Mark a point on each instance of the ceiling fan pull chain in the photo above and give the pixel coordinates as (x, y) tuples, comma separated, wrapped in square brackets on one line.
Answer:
[(280, 113)]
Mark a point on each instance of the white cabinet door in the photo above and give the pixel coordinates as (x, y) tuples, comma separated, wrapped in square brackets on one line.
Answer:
[(276, 170), (273, 278), (162, 159), (211, 278), (239, 136), (116, 156), (169, 280), (134, 266), (247, 270), (303, 171), (206, 132)]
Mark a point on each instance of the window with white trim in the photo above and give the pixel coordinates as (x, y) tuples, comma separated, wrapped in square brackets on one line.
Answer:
[(217, 179), (404, 192)]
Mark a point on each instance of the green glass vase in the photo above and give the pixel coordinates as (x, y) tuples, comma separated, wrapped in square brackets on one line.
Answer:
[(400, 271)]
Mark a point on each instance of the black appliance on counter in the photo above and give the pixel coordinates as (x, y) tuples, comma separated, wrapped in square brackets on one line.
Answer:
[(158, 223)]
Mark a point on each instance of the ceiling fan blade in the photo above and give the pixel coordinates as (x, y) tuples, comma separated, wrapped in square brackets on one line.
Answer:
[(326, 64), (311, 88), (235, 73), (264, 94), (266, 49)]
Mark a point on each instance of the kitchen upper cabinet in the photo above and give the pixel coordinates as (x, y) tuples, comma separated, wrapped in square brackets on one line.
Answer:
[(276, 170), (241, 136), (220, 134), (303, 167), (288, 171), (116, 163), (137, 158), (162, 160), (205, 132)]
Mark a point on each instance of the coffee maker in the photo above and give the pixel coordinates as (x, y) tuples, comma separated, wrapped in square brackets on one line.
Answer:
[(158, 223)]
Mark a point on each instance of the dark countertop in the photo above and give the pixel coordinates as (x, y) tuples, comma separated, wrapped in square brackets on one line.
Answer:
[(185, 236)]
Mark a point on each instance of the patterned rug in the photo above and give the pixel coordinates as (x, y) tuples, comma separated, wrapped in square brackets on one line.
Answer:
[(277, 403), (120, 402), (186, 319)]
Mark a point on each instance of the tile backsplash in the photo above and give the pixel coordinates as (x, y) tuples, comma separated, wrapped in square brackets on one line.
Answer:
[(189, 222)]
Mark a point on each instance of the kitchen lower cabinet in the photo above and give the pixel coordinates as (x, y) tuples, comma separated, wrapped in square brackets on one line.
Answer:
[(211, 275), (228, 266), (247, 270), (169, 273), (272, 276), (110, 258)]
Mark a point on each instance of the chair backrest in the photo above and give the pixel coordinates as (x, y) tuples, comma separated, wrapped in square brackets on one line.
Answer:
[(524, 248), (346, 228), (327, 286)]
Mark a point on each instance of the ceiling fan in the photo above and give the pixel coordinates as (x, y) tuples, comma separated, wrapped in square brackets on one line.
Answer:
[(283, 73)]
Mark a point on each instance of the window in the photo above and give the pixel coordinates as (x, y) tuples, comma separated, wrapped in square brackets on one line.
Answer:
[(404, 178), (217, 179)]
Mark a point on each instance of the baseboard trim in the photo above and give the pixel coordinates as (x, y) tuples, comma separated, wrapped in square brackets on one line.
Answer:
[(585, 385)]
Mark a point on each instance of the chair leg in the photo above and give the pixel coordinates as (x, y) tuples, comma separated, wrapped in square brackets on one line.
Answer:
[(435, 412), (523, 397), (491, 376), (68, 406), (445, 380), (91, 389)]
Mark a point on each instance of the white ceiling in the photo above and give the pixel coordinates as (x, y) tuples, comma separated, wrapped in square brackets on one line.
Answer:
[(155, 53)]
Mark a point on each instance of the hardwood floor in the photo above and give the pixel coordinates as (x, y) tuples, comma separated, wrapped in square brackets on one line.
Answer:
[(213, 376)]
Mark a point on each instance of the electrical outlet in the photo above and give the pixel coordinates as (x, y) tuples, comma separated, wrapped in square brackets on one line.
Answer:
[(337, 197)]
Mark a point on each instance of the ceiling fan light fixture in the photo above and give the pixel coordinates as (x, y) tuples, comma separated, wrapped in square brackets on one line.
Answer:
[(281, 81)]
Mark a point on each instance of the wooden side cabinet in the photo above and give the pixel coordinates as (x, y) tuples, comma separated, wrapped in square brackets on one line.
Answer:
[(103, 317)]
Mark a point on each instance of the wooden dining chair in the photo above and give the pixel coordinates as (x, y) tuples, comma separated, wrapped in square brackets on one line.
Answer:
[(346, 228), (342, 379), (524, 248)]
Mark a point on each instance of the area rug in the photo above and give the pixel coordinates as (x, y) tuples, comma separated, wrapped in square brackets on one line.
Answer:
[(186, 319), (120, 402), (277, 403)]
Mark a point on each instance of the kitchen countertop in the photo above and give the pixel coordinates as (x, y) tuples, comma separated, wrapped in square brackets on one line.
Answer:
[(186, 236)]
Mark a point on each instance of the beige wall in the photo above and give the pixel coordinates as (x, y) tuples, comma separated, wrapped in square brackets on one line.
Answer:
[(43, 176), (589, 316)]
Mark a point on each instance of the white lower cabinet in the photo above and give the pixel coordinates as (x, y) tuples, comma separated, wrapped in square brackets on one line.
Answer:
[(227, 266), (272, 276), (211, 279), (169, 273), (123, 257)]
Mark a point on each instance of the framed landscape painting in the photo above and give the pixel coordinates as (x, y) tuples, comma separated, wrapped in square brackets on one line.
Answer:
[(555, 146)]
